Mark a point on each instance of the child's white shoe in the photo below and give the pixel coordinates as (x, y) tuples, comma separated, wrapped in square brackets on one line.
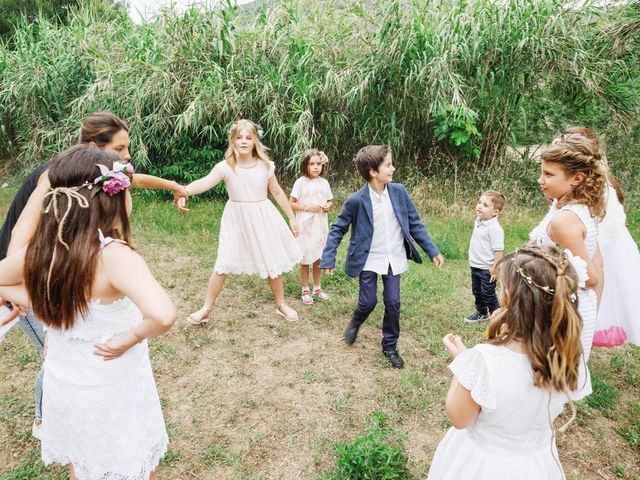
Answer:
[(320, 294), (307, 299)]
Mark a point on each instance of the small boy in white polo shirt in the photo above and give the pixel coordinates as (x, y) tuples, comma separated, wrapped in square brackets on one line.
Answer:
[(485, 250)]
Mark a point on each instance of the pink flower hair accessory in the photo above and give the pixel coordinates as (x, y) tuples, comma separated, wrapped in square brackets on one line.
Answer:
[(115, 180)]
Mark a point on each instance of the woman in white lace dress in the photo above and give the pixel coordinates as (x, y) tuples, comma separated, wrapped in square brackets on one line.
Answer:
[(507, 392), (573, 176), (99, 303)]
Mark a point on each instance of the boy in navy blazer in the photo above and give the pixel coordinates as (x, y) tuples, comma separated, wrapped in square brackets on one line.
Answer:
[(384, 223)]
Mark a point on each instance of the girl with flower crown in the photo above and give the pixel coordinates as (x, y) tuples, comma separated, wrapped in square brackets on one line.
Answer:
[(254, 238), (101, 413), (507, 392), (311, 199), (574, 178)]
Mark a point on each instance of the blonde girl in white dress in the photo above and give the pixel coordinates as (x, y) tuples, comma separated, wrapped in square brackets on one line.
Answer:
[(572, 175), (101, 413), (507, 392), (254, 238), (311, 199)]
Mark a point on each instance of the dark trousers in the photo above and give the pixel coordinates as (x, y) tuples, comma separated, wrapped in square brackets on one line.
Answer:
[(484, 291), (368, 298)]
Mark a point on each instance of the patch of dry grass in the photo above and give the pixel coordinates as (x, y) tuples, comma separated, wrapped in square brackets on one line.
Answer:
[(250, 396)]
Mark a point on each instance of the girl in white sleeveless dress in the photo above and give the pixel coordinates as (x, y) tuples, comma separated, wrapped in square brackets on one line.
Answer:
[(254, 238), (99, 303), (619, 310), (506, 393), (574, 178), (311, 199)]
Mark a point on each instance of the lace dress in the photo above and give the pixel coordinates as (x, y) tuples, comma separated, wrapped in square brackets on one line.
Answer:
[(511, 437), (619, 313), (254, 238), (104, 417), (587, 299)]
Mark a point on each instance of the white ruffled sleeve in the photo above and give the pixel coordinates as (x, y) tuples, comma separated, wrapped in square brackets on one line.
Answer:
[(470, 368)]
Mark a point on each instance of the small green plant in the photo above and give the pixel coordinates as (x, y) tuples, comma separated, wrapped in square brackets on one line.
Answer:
[(604, 395), (371, 456)]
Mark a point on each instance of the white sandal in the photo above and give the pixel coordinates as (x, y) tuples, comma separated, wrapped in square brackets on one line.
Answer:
[(199, 317), (287, 312)]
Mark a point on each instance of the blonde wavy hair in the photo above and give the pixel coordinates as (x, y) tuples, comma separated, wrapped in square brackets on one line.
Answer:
[(259, 149), (579, 154), (540, 309)]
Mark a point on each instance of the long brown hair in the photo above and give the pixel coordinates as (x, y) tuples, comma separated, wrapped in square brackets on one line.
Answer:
[(100, 128), (540, 309), (578, 154), (61, 257), (593, 136)]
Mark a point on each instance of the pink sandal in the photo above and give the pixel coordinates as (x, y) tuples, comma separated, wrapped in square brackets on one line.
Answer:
[(320, 294), (307, 299)]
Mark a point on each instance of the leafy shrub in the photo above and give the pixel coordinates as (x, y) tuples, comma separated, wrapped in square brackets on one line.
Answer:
[(371, 456)]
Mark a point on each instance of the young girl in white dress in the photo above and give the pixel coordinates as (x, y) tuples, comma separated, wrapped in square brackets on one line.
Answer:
[(101, 413), (507, 392), (573, 176), (254, 237), (619, 310), (311, 199)]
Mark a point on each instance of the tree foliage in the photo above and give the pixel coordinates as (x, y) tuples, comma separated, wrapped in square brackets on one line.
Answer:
[(463, 76)]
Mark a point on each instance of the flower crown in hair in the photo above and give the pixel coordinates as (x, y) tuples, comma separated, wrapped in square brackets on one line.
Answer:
[(323, 158), (259, 129), (115, 180)]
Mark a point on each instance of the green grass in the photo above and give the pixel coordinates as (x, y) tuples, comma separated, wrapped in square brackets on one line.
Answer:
[(240, 432)]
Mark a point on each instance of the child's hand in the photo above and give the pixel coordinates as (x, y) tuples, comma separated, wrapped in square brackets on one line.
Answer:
[(294, 226), (180, 203), (453, 344), (116, 346), (9, 317), (326, 207), (492, 272), (438, 260), (315, 209)]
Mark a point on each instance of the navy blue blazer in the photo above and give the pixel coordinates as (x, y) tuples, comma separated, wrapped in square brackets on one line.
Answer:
[(357, 212)]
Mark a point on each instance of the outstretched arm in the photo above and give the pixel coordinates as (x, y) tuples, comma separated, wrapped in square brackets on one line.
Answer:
[(460, 407), (281, 198), (128, 273), (180, 195), (419, 232), (338, 230), (205, 183), (11, 278), (26, 225)]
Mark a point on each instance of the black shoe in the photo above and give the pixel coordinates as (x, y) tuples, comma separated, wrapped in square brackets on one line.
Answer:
[(394, 358), (476, 317), (351, 333)]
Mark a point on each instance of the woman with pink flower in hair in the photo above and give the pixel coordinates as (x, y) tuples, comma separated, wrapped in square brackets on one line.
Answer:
[(101, 414)]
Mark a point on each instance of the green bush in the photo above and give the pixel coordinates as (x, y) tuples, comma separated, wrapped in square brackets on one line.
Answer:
[(371, 456)]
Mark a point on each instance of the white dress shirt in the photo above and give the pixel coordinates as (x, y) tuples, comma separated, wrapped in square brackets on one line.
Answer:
[(387, 244)]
